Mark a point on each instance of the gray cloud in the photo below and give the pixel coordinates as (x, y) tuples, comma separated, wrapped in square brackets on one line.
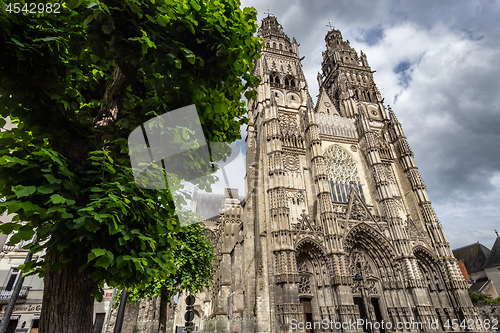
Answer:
[(437, 64)]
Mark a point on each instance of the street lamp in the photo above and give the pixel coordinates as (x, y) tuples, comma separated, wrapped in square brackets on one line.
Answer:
[(359, 278)]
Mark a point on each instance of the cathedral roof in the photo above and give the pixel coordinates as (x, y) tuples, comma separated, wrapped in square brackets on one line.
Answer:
[(324, 103), (474, 256), (494, 257), (209, 205)]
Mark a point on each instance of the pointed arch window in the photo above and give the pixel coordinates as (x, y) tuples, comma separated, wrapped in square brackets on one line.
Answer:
[(274, 78), (342, 174)]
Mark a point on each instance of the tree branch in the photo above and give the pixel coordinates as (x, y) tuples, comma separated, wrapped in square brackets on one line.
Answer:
[(123, 75)]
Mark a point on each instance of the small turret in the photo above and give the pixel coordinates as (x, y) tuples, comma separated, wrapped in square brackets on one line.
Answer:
[(295, 47), (395, 125), (364, 61), (274, 37)]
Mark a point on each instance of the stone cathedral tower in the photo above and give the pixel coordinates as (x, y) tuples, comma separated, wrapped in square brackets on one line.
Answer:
[(336, 223)]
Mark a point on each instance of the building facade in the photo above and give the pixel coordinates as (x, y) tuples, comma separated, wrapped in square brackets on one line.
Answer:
[(26, 313), (483, 267), (336, 224)]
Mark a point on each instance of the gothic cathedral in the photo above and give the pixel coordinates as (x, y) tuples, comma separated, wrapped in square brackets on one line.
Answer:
[(336, 222)]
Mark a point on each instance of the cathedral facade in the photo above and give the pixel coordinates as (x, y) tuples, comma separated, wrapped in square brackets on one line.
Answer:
[(336, 224)]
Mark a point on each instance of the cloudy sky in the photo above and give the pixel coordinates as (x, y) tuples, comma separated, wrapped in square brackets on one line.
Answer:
[(438, 65)]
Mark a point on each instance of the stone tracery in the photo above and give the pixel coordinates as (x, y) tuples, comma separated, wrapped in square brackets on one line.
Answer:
[(342, 173)]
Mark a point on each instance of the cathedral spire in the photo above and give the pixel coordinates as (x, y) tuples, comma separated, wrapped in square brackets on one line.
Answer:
[(395, 126), (271, 28), (269, 12), (348, 78), (392, 115), (275, 38)]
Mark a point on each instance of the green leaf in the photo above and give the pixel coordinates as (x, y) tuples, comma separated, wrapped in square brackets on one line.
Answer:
[(163, 20), (28, 206), (23, 191), (56, 209), (56, 199), (195, 5), (17, 42), (26, 234), (48, 39), (12, 159), (52, 179), (45, 189), (73, 3), (191, 58), (16, 238), (88, 19), (94, 253), (132, 4), (7, 228), (186, 50), (104, 261)]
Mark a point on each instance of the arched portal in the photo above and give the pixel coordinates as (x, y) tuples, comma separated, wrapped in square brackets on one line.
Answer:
[(434, 283), (313, 294), (377, 288)]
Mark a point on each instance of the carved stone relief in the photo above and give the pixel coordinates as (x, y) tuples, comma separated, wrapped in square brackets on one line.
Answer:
[(304, 285)]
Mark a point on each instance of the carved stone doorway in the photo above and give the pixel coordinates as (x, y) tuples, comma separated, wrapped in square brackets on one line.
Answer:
[(308, 317), (362, 313), (378, 314)]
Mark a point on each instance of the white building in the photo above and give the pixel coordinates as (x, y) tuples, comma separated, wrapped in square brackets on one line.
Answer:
[(26, 314)]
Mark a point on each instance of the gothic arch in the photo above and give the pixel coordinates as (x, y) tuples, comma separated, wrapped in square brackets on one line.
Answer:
[(370, 254), (427, 264), (312, 269), (424, 253), (432, 277), (302, 243), (370, 239)]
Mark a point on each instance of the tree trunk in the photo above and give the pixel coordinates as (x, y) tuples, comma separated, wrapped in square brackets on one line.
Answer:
[(67, 305), (163, 311), (123, 76)]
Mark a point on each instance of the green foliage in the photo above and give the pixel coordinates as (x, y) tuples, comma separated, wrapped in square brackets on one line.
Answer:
[(193, 256), (477, 297), (76, 84)]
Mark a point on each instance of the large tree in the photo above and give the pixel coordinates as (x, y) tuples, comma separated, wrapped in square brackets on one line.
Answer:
[(193, 257), (76, 83)]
